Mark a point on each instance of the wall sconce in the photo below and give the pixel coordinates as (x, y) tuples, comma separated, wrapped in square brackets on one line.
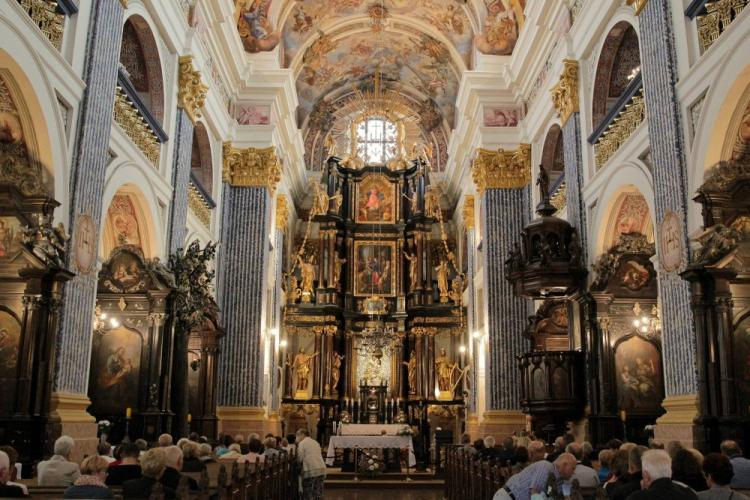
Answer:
[(283, 344)]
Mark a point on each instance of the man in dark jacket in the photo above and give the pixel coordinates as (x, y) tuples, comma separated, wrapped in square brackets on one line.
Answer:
[(128, 467), (657, 480), (153, 464), (633, 482)]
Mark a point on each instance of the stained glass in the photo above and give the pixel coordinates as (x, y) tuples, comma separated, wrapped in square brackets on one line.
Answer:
[(376, 140)]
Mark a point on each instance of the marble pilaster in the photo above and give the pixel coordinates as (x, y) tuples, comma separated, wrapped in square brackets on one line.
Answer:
[(182, 158), (573, 155)]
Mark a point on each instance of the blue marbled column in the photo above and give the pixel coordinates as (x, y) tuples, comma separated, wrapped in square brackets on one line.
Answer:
[(244, 267), (573, 156), (504, 213), (87, 175), (659, 69), (183, 152)]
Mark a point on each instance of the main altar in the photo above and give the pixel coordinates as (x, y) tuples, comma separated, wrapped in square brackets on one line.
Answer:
[(374, 330)]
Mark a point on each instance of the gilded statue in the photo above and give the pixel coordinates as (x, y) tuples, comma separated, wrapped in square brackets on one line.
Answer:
[(442, 278), (302, 366), (456, 293), (322, 203), (294, 292), (413, 262), (338, 263), (330, 145), (336, 370), (431, 204), (307, 268), (445, 367), (411, 368)]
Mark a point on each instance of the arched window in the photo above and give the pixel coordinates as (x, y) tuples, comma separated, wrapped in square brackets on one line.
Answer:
[(377, 140)]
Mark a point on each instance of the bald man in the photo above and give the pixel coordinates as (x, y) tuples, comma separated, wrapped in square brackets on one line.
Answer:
[(533, 479)]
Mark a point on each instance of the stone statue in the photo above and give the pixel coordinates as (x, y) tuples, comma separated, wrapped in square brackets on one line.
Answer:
[(543, 182), (445, 367), (302, 368), (413, 262), (338, 263), (442, 279), (336, 370), (411, 368), (307, 268)]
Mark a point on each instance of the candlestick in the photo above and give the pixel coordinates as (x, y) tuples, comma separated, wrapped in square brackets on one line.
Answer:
[(128, 412), (623, 415)]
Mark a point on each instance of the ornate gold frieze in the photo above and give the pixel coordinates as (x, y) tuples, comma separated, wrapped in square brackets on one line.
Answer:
[(565, 92), (621, 128), (719, 15), (135, 126), (468, 212), (421, 330), (45, 15), (282, 212), (251, 167), (191, 94), (560, 197), (638, 5), (198, 205), (502, 169)]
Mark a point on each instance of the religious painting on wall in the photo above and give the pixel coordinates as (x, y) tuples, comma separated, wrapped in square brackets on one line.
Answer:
[(124, 273), (375, 196), (122, 221), (252, 114), (256, 31), (499, 116), (640, 386), (634, 275), (115, 371), (10, 236), (10, 338), (375, 268)]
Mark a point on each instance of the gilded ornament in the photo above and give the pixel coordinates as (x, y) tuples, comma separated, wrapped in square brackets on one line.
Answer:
[(191, 94), (502, 169), (638, 5), (282, 212), (468, 212), (560, 197), (198, 205), (135, 126), (621, 128), (251, 167), (565, 93), (47, 17)]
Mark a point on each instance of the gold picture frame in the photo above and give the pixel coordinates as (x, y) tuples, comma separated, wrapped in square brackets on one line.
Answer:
[(375, 200), (375, 268)]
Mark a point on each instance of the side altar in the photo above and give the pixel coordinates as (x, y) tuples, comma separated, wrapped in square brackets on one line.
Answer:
[(374, 327)]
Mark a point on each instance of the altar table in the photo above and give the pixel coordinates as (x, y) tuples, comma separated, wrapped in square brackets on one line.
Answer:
[(370, 429), (359, 442)]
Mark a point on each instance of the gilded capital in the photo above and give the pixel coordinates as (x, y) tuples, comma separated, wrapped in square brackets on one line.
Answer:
[(638, 5), (282, 212), (565, 93), (191, 94), (251, 167), (502, 169), (468, 212)]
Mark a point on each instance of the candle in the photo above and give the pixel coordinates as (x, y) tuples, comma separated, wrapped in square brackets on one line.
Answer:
[(128, 412), (190, 418), (623, 415)]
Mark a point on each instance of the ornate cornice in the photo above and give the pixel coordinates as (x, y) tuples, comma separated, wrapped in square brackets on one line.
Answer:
[(282, 212), (251, 167), (638, 5), (468, 212), (191, 94), (565, 93), (502, 169)]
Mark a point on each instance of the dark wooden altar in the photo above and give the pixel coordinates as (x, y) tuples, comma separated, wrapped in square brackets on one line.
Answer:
[(31, 279), (203, 348), (131, 353)]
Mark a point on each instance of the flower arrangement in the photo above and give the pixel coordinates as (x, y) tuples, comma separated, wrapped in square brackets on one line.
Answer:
[(405, 431), (370, 464), (104, 426), (345, 417)]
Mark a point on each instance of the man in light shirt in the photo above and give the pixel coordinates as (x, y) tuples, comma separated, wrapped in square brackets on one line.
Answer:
[(533, 479)]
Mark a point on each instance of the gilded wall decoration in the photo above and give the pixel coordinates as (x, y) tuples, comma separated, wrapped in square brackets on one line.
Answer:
[(375, 268), (501, 27), (565, 92), (256, 31), (502, 169), (191, 93), (251, 167)]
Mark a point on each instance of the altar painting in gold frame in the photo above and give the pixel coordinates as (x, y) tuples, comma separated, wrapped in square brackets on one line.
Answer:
[(376, 200), (375, 268)]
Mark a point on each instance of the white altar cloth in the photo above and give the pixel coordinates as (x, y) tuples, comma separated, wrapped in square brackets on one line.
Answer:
[(383, 442), (370, 429)]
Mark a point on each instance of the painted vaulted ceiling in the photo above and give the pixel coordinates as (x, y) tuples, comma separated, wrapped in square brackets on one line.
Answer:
[(418, 49)]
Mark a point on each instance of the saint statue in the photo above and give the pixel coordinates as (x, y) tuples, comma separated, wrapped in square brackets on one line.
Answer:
[(543, 182), (431, 205), (442, 278), (330, 145), (302, 368), (445, 368), (336, 370), (411, 368), (307, 268), (338, 263), (413, 262)]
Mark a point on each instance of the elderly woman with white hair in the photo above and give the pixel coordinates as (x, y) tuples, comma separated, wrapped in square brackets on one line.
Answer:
[(657, 481), (91, 482), (59, 470)]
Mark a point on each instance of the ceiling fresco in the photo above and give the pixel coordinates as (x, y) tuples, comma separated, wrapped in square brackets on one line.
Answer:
[(419, 63), (307, 18), (501, 27)]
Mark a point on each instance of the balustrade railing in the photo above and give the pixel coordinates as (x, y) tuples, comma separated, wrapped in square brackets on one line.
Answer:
[(620, 122), (49, 16), (200, 201), (137, 121), (713, 18), (558, 193)]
